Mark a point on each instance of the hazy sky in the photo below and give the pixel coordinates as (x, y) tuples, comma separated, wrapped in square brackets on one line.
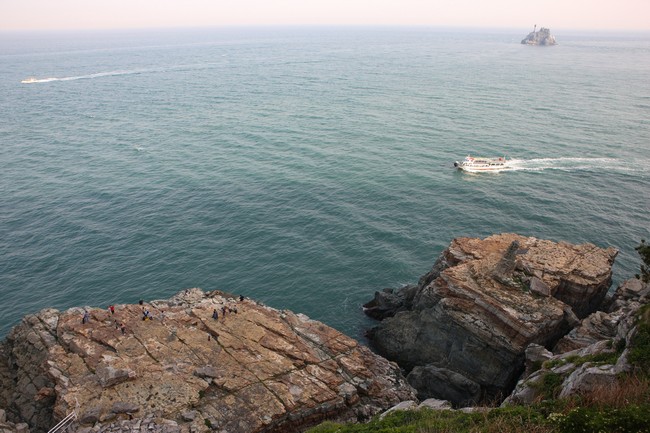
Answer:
[(102, 14)]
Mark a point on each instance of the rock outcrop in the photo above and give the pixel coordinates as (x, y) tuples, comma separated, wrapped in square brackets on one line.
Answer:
[(542, 36), (483, 303), (252, 369), (590, 357)]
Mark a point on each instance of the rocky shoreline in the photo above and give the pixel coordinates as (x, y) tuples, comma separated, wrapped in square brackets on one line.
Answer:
[(492, 319), (181, 369), (462, 332)]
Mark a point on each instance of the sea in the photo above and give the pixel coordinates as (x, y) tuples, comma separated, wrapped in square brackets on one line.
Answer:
[(305, 167)]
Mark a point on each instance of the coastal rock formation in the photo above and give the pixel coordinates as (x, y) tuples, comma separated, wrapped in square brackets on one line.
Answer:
[(483, 303), (251, 369), (592, 355), (542, 36)]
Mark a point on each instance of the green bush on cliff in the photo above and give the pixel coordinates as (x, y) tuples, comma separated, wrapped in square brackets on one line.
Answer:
[(550, 385), (612, 420), (503, 420), (640, 343)]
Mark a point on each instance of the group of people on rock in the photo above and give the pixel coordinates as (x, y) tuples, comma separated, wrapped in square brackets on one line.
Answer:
[(224, 309), (146, 314)]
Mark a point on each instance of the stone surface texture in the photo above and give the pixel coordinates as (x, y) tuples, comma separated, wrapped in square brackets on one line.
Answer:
[(485, 301), (577, 357), (254, 370)]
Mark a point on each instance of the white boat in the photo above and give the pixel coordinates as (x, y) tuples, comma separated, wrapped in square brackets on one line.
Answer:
[(476, 164), (29, 80)]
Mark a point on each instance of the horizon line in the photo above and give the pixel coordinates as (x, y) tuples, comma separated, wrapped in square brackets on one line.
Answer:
[(315, 26)]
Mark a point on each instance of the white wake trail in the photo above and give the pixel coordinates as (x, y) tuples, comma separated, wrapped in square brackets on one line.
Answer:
[(85, 77), (34, 80), (567, 164)]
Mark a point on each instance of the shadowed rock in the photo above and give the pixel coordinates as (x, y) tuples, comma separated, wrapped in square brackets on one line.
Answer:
[(444, 384)]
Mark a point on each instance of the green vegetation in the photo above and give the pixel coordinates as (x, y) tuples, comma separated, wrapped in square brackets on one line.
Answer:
[(602, 358), (633, 418), (502, 420), (639, 355), (622, 408), (550, 385)]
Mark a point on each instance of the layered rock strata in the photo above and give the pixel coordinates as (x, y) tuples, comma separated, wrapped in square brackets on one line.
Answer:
[(483, 303), (252, 369)]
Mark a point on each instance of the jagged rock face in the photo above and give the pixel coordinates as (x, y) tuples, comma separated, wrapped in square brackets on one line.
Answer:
[(601, 332), (256, 370), (475, 312)]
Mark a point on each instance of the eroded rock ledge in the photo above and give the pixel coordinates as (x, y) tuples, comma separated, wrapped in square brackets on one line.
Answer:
[(254, 370), (462, 331)]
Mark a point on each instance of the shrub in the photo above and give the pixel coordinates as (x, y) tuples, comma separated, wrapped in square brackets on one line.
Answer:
[(630, 419), (639, 354), (549, 385)]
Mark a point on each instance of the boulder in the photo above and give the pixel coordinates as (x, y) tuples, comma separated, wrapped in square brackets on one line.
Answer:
[(109, 375), (536, 355), (124, 407), (444, 384), (435, 404)]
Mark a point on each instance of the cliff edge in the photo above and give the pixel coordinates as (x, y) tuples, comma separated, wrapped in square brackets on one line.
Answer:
[(461, 333), (194, 363)]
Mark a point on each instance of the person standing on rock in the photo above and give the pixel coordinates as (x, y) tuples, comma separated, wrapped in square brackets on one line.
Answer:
[(111, 308), (215, 315), (86, 318)]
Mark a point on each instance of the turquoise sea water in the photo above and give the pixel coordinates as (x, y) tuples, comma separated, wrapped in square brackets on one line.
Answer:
[(305, 168)]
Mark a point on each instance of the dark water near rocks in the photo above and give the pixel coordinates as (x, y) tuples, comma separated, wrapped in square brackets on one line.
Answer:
[(305, 168)]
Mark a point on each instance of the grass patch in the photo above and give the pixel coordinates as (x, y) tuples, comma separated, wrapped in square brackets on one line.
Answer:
[(630, 419), (623, 407), (502, 420), (639, 354), (549, 385)]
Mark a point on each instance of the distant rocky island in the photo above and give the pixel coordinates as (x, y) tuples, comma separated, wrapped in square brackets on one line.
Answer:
[(492, 319), (542, 36)]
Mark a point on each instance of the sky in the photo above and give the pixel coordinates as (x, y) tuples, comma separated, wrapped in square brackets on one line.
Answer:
[(117, 14)]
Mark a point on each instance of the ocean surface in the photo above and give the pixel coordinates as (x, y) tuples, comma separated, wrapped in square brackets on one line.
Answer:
[(305, 167)]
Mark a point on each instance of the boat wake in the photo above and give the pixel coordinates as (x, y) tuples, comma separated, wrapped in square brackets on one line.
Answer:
[(33, 80), (571, 164), (83, 77)]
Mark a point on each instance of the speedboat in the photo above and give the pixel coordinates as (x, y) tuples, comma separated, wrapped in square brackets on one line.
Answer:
[(29, 80), (476, 164)]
